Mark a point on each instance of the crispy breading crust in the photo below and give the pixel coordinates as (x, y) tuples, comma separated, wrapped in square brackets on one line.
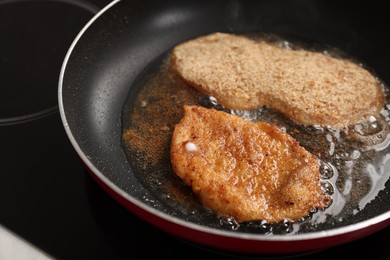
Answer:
[(309, 87), (249, 171)]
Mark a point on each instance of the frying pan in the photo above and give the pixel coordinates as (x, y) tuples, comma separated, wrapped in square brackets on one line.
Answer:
[(113, 51)]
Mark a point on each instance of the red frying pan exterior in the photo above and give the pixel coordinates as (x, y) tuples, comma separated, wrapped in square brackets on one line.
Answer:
[(245, 245), (118, 44)]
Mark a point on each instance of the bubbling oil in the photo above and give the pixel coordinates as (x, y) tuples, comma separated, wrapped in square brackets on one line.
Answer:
[(352, 158)]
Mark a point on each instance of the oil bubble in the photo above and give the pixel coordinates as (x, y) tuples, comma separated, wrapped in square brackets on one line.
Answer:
[(327, 187), (261, 227), (283, 227), (327, 170), (228, 223)]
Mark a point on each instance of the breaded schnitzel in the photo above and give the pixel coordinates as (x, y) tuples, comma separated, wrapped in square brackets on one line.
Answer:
[(309, 87), (249, 171)]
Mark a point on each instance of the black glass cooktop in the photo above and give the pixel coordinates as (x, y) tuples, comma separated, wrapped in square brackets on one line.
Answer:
[(46, 195)]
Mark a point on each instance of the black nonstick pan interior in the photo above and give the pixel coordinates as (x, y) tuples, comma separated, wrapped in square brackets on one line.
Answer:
[(112, 58)]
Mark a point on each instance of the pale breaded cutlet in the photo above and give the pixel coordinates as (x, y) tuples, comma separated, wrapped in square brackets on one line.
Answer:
[(245, 170), (309, 87)]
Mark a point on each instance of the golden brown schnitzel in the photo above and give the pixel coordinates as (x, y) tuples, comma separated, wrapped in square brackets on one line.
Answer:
[(249, 171), (309, 87)]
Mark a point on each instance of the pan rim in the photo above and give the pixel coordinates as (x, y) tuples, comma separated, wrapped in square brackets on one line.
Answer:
[(175, 220)]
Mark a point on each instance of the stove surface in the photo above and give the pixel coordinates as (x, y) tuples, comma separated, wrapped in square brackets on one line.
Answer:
[(46, 195)]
